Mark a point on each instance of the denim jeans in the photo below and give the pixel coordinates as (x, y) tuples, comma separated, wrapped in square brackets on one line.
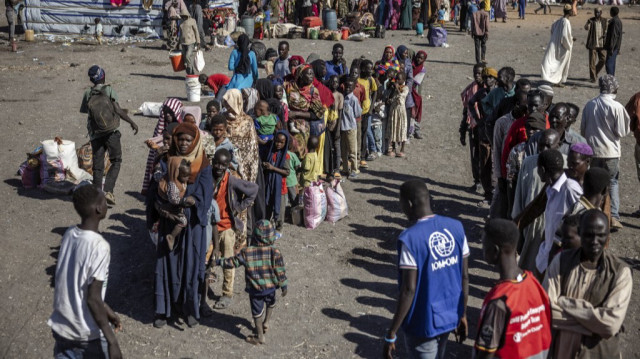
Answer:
[(376, 129), (612, 165), (522, 5), (364, 136), (11, 20), (371, 139), (610, 62), (111, 143), (71, 349), (426, 348)]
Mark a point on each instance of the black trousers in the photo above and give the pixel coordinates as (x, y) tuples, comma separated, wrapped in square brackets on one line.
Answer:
[(463, 17), (481, 47), (111, 143)]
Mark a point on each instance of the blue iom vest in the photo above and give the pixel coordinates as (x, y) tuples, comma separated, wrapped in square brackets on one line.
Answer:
[(436, 245)]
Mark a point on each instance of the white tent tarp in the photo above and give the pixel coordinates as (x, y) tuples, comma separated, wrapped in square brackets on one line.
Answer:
[(77, 17)]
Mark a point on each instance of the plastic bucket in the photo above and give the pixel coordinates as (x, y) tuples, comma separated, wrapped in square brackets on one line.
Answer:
[(248, 23), (29, 35), (314, 34), (330, 19), (176, 61), (345, 33), (419, 28), (193, 87)]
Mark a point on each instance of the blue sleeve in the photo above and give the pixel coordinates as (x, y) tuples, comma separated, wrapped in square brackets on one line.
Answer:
[(233, 58), (202, 192), (254, 64)]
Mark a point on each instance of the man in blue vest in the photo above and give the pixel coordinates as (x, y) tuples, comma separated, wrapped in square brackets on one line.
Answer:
[(433, 278)]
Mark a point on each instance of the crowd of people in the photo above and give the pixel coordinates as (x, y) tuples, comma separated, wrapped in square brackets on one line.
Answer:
[(219, 185)]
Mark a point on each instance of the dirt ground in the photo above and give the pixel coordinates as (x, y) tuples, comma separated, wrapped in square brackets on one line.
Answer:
[(343, 277)]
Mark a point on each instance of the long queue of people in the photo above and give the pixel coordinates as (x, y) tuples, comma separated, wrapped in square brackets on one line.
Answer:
[(553, 196), (218, 185)]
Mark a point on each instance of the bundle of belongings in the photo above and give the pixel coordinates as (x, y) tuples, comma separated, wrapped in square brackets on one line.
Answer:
[(57, 167)]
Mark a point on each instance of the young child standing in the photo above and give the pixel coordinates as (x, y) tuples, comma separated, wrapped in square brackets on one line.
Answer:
[(456, 12), (264, 274), (266, 23), (348, 129), (292, 179), (311, 167), (397, 122), (81, 321), (334, 128), (276, 169), (99, 32), (217, 126), (171, 190), (279, 94), (441, 15)]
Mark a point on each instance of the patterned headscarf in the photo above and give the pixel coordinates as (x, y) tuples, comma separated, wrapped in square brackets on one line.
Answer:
[(608, 84), (173, 105), (305, 98), (384, 65), (96, 74)]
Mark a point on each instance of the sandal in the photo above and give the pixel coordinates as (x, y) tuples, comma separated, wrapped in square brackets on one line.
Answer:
[(400, 154), (223, 303)]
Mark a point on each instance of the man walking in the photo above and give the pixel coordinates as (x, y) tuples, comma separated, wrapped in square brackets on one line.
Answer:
[(613, 41), (604, 122), (555, 64), (433, 278), (101, 104), (596, 27), (480, 32)]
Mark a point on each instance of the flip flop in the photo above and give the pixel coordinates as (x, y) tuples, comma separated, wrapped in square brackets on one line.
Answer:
[(399, 154)]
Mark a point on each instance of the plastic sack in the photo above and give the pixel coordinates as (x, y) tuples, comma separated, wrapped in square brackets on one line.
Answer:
[(337, 207), (437, 36), (30, 175), (228, 41), (151, 109), (199, 61), (51, 170), (315, 205)]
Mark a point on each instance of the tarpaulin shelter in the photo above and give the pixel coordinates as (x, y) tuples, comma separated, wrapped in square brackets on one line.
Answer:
[(118, 17)]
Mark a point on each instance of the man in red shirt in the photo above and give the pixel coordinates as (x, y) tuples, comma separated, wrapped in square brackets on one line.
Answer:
[(515, 319)]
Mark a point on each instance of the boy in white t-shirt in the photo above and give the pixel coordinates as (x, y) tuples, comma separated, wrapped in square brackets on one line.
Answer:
[(80, 318)]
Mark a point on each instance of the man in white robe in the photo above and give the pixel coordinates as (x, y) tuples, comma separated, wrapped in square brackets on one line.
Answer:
[(555, 64)]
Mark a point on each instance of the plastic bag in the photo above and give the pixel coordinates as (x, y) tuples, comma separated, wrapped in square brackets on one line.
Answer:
[(199, 61), (151, 109), (337, 207), (315, 205), (228, 41)]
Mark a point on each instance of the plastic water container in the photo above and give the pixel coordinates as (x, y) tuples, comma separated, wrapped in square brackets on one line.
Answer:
[(193, 87), (229, 24), (176, 61), (29, 35), (248, 23), (419, 28), (330, 19)]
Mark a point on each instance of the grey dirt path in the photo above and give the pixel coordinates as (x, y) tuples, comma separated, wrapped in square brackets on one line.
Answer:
[(342, 292)]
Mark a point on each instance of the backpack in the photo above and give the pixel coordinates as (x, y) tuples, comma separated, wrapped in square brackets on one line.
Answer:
[(103, 118)]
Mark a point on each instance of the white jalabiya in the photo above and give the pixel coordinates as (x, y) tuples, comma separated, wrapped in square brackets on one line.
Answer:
[(555, 64)]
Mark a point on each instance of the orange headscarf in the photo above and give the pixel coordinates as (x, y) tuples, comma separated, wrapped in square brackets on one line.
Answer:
[(195, 152)]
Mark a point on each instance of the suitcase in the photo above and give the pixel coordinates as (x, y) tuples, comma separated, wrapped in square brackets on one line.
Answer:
[(312, 21)]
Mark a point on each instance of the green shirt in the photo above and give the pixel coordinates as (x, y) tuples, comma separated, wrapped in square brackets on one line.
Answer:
[(84, 107), (294, 162)]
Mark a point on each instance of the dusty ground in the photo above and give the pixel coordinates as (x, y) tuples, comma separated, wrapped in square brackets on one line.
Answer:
[(342, 292)]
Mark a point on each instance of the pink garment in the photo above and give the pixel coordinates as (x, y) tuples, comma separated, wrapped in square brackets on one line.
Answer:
[(466, 95)]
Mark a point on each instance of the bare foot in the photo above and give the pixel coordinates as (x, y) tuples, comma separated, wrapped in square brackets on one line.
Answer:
[(170, 241), (252, 339)]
